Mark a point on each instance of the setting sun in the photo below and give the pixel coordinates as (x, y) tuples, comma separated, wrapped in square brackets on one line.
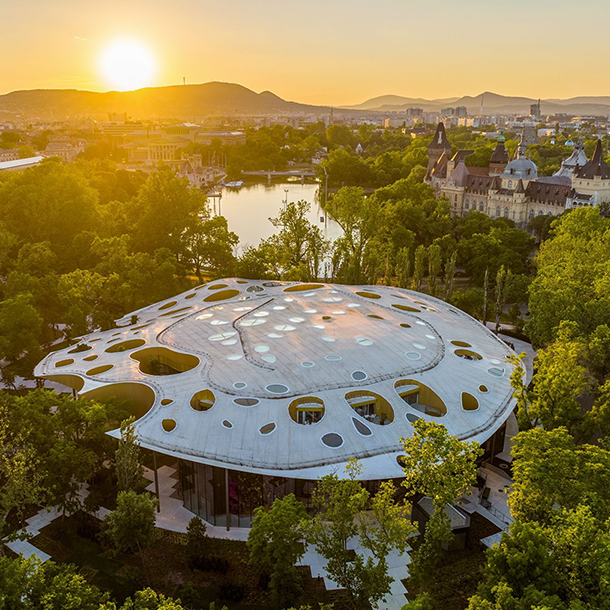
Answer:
[(127, 65)]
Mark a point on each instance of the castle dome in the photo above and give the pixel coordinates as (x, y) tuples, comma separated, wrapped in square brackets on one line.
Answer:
[(521, 167)]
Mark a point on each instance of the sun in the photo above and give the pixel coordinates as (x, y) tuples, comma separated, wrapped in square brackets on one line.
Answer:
[(127, 65)]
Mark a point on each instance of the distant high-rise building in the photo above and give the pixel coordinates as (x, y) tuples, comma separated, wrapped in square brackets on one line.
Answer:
[(535, 110), (461, 111), (448, 111), (415, 112)]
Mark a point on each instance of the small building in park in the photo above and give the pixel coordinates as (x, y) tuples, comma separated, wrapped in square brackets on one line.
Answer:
[(258, 388)]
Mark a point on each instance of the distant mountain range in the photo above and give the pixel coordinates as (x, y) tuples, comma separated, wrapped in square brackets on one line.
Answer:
[(176, 101), (492, 102), (224, 99)]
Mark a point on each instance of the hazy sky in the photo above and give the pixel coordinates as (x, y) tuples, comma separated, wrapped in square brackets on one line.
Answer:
[(319, 51)]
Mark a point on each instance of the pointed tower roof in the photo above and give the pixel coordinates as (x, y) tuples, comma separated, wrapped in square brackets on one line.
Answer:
[(597, 167), (440, 141), (574, 162), (499, 154)]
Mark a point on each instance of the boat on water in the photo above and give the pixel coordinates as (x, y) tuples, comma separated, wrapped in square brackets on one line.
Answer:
[(236, 184)]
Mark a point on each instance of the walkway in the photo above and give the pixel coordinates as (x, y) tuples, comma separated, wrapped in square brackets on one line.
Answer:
[(39, 521), (397, 568)]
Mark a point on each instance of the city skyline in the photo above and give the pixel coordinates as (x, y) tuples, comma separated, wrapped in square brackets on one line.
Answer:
[(337, 55)]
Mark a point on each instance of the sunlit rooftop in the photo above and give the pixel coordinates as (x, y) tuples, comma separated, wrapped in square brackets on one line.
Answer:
[(294, 379)]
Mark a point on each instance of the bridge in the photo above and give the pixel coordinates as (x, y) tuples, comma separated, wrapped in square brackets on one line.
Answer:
[(299, 173)]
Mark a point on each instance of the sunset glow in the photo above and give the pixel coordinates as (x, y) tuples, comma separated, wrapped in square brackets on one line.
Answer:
[(127, 64)]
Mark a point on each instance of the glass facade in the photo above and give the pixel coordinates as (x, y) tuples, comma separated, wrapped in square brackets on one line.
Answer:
[(217, 494)]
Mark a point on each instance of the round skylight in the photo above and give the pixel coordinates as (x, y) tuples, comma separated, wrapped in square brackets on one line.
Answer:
[(420, 322), (276, 388), (351, 305), (261, 314), (222, 336), (240, 385), (333, 357), (364, 341), (307, 364), (361, 428), (332, 299), (234, 357), (319, 326), (242, 309), (279, 307), (252, 322), (333, 440), (296, 320), (359, 375), (246, 402), (413, 356), (218, 322), (286, 328), (496, 371), (229, 342), (329, 339), (268, 358), (274, 336), (310, 311), (261, 349), (338, 312), (203, 316), (267, 428), (419, 345), (430, 337), (254, 289)]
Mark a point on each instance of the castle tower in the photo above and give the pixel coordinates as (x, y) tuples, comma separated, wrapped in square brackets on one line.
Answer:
[(499, 158), (438, 146)]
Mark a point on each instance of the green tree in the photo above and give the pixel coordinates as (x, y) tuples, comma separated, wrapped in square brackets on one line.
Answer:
[(442, 467), (20, 328), (450, 276), (131, 527), (345, 511), (503, 284), (209, 245), (403, 267), (276, 542), (21, 479), (573, 277), (129, 468), (551, 472), (434, 267), (418, 274), (299, 244), (359, 219)]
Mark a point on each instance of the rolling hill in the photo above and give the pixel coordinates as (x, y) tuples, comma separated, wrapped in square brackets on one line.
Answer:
[(176, 101)]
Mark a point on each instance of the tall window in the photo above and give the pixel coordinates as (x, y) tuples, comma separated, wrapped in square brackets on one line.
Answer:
[(498, 212), (505, 212)]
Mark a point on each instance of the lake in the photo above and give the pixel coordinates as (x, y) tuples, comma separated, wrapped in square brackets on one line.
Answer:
[(248, 209)]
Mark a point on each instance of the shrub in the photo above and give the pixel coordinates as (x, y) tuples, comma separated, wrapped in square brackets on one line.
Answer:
[(210, 563), (231, 592)]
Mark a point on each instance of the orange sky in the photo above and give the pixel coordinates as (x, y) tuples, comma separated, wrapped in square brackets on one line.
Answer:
[(319, 51)]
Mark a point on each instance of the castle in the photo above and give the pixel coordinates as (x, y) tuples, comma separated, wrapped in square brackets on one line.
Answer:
[(512, 188)]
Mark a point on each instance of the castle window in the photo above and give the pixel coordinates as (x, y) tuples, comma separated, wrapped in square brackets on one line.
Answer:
[(510, 184), (532, 214), (481, 206), (505, 212), (498, 212), (467, 205)]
